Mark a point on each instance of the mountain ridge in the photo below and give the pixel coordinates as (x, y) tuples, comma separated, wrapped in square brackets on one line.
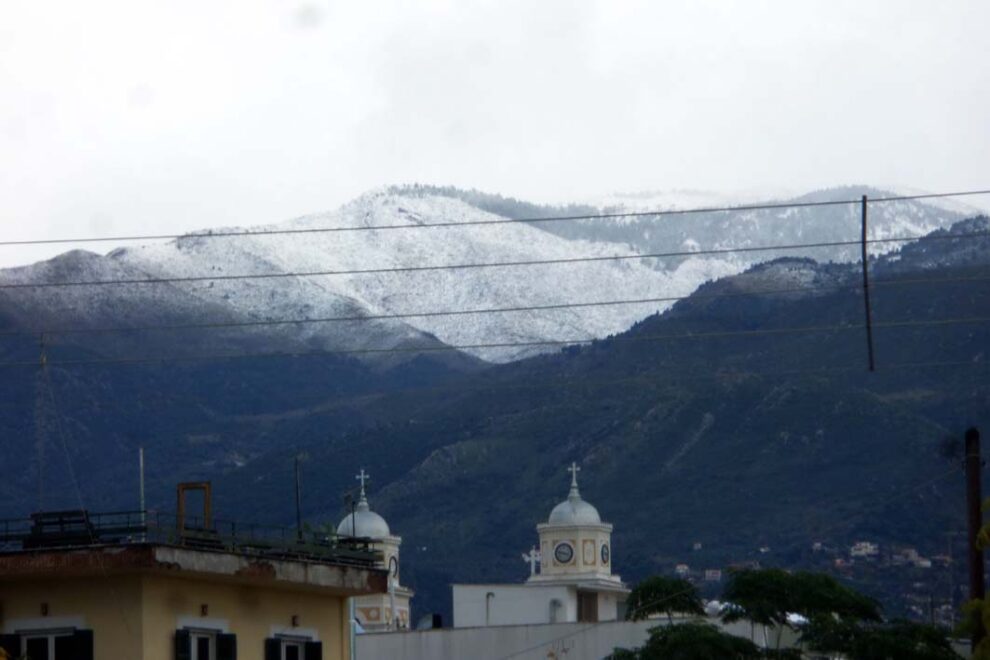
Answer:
[(288, 297)]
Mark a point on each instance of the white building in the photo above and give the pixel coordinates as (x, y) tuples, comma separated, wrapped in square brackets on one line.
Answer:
[(864, 549), (575, 581), (378, 612)]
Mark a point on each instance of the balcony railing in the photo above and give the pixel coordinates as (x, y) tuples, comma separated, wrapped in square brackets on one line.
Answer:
[(80, 528)]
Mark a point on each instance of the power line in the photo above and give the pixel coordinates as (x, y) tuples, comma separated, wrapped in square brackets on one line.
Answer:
[(464, 312), (502, 221), (497, 345), (466, 266)]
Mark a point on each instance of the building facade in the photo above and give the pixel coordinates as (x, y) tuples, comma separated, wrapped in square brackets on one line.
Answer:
[(193, 597), (574, 581)]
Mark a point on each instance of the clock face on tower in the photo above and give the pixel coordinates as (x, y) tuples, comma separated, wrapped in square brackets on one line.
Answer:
[(605, 553), (563, 553)]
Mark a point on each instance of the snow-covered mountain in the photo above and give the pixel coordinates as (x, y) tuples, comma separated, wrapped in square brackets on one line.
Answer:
[(288, 296), (774, 226)]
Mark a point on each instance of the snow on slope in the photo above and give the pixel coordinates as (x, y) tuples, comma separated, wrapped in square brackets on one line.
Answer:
[(682, 198), (428, 291), (774, 226)]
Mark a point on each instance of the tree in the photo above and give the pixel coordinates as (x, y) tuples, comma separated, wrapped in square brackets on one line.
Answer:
[(762, 596), (691, 641), (897, 640), (663, 595), (817, 594), (768, 596)]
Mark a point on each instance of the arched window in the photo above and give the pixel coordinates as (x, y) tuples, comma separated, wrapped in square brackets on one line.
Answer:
[(556, 611)]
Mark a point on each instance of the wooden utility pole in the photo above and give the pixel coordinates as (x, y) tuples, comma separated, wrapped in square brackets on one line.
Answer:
[(299, 529), (975, 517), (868, 312)]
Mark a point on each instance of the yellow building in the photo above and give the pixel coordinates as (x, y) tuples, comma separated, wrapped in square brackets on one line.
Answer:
[(85, 587)]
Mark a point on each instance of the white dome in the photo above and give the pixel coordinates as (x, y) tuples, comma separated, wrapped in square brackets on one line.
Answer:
[(364, 523), (574, 510)]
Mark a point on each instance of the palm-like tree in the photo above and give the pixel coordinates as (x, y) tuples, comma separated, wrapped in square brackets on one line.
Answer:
[(663, 595)]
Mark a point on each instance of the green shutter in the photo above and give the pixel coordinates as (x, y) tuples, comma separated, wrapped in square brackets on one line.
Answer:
[(11, 644), (183, 645), (314, 651), (77, 646), (226, 647), (273, 649), (83, 645)]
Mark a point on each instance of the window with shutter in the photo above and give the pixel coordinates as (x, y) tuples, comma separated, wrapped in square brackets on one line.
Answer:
[(60, 644), (292, 648), (198, 644)]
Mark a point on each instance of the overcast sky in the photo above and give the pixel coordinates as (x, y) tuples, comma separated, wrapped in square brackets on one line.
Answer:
[(135, 116)]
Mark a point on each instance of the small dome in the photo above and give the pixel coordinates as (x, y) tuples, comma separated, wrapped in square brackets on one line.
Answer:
[(574, 510), (364, 522)]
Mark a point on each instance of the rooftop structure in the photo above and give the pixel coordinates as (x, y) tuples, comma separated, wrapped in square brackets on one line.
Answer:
[(76, 585)]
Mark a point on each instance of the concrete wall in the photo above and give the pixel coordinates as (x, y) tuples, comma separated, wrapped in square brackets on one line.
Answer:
[(573, 641), (511, 604), (580, 641)]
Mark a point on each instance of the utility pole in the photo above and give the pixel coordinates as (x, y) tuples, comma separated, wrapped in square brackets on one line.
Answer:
[(952, 582), (975, 518), (866, 287), (141, 503), (299, 532)]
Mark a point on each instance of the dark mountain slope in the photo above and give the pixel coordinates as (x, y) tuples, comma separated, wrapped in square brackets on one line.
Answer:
[(739, 441), (775, 438)]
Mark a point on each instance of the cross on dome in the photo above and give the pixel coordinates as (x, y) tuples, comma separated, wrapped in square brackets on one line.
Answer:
[(574, 469), (574, 510), (362, 477), (362, 521)]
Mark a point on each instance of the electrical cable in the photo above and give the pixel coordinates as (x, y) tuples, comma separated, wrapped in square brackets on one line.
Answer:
[(466, 266), (502, 221), (462, 312)]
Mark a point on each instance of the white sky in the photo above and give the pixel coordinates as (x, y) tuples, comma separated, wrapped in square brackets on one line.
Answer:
[(136, 116)]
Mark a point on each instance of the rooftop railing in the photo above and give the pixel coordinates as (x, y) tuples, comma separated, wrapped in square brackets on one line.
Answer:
[(80, 528)]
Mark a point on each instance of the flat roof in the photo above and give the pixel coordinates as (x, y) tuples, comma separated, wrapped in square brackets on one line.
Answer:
[(212, 564)]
